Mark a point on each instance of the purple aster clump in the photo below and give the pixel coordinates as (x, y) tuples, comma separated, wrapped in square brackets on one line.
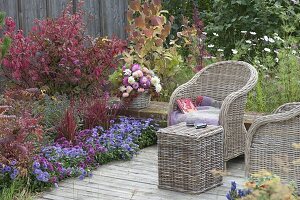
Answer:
[(122, 137), (90, 148), (66, 159), (8, 172)]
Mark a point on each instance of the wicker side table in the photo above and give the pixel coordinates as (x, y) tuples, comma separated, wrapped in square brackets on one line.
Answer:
[(188, 156)]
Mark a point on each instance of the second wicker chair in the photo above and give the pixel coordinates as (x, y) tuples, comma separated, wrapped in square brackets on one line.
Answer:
[(273, 144), (229, 82)]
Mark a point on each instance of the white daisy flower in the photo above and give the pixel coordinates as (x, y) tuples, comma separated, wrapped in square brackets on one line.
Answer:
[(234, 51), (216, 34), (271, 40), (155, 80), (220, 50), (248, 41), (277, 60), (158, 88), (267, 50), (131, 80), (127, 72), (252, 33), (210, 46), (122, 88), (266, 38), (244, 32), (204, 33)]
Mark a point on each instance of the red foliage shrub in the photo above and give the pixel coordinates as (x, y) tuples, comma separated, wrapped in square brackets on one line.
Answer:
[(98, 112), (58, 56), (19, 138), (68, 125)]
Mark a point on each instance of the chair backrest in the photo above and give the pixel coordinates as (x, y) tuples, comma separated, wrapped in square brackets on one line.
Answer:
[(221, 79)]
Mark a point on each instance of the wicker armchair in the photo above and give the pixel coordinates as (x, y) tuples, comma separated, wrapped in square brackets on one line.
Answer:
[(229, 82), (272, 144)]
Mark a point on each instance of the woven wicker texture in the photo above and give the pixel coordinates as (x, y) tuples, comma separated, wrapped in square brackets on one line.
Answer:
[(271, 144), (187, 158), (141, 101), (230, 82)]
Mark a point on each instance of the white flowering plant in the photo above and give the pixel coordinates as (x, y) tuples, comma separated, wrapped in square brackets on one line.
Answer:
[(131, 80)]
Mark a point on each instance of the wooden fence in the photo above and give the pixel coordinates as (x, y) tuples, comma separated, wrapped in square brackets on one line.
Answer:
[(103, 17)]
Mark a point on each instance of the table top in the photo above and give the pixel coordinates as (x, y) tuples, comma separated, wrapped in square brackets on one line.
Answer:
[(182, 130)]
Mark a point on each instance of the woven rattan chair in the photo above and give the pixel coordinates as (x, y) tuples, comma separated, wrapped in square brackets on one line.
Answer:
[(229, 82), (272, 144)]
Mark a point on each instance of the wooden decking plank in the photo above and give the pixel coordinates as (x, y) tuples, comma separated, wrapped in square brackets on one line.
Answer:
[(137, 180)]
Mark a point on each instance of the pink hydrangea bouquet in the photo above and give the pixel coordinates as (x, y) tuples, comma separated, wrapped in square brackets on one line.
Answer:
[(136, 79)]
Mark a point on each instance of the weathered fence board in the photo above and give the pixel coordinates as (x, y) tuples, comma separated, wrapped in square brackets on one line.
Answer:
[(29, 10), (113, 17), (92, 17), (55, 7), (103, 17), (10, 7)]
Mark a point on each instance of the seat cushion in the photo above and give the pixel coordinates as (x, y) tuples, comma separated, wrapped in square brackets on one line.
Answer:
[(204, 114)]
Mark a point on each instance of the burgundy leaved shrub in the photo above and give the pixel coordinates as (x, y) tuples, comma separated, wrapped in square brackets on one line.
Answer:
[(68, 125), (58, 56), (20, 138), (98, 111)]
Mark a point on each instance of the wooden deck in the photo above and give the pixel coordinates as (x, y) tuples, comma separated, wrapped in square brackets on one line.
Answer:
[(136, 180)]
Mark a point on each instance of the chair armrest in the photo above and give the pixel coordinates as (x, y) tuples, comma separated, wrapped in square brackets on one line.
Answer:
[(231, 98), (286, 107), (273, 118)]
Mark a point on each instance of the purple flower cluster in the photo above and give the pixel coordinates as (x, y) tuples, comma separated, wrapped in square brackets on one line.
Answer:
[(65, 159), (138, 79), (9, 171), (69, 159), (235, 193), (122, 137)]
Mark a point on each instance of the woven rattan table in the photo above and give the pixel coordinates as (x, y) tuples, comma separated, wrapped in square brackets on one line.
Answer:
[(188, 158)]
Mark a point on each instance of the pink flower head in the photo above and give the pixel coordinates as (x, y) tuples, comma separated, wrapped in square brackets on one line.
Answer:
[(141, 90), (143, 80), (125, 81), (135, 67), (135, 85), (140, 73), (129, 89), (146, 85), (125, 95), (123, 67)]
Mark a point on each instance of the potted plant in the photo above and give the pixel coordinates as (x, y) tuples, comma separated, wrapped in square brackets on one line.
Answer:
[(135, 85)]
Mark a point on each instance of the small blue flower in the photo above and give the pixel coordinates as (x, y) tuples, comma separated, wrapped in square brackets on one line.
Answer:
[(36, 165), (233, 185), (13, 163), (228, 196), (7, 169), (13, 176)]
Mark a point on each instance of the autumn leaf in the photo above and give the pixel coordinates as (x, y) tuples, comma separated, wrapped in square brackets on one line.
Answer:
[(159, 42), (166, 30), (157, 2), (129, 15), (156, 21), (135, 5), (140, 22), (146, 9), (148, 33)]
